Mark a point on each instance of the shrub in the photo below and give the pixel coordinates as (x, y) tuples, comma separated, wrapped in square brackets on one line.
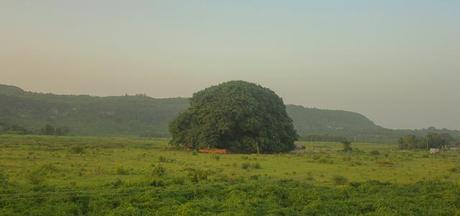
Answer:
[(355, 184), (339, 180), (197, 175), (3, 180), (375, 152), (159, 170), (122, 171), (256, 166), (247, 166), (346, 159), (118, 182), (455, 169), (157, 183), (77, 150), (346, 146), (164, 159)]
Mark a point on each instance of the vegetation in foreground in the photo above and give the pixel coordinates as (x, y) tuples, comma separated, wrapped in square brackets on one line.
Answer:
[(43, 175)]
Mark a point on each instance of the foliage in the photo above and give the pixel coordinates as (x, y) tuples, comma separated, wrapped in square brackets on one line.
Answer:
[(245, 197), (159, 170), (409, 142), (13, 129), (375, 152), (340, 180), (346, 146), (87, 115), (239, 116), (4, 180), (77, 149), (122, 171), (431, 140), (196, 174)]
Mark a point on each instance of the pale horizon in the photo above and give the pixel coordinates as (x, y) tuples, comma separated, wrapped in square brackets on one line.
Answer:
[(396, 62)]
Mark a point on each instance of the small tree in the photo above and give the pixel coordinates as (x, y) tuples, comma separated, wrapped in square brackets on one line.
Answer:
[(346, 146), (435, 140), (408, 142)]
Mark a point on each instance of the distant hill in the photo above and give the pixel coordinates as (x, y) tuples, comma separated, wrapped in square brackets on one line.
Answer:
[(140, 115), (88, 115), (334, 123)]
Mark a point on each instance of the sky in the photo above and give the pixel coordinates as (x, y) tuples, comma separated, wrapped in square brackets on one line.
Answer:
[(395, 61)]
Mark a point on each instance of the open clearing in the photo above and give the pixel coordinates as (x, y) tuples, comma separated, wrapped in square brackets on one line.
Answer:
[(83, 175)]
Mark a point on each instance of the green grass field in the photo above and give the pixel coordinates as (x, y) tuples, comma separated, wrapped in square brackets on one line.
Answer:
[(41, 175)]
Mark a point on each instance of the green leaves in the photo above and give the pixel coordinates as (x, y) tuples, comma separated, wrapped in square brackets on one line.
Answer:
[(236, 115)]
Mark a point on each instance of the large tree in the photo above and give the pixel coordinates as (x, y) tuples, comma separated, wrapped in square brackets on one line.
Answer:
[(238, 116)]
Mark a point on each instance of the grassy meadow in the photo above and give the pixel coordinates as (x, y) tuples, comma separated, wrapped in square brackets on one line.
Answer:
[(46, 175)]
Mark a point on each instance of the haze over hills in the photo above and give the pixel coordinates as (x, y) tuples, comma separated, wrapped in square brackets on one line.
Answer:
[(140, 115)]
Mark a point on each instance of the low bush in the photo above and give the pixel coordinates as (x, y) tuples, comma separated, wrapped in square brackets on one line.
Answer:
[(256, 166), (157, 183), (197, 175), (163, 159), (117, 183), (455, 169), (123, 171), (4, 180), (375, 152), (77, 150), (159, 170), (247, 166), (339, 180)]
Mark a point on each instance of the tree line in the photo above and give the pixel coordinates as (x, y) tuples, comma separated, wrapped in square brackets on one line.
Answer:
[(431, 140), (47, 129)]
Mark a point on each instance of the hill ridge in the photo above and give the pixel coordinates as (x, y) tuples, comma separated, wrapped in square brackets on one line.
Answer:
[(142, 115)]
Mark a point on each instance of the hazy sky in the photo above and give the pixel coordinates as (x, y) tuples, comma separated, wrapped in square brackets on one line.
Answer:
[(395, 61)]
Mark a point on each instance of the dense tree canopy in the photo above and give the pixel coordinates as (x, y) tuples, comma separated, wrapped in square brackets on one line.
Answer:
[(236, 115)]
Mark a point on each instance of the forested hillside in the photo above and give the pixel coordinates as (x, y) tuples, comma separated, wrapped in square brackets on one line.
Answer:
[(140, 115), (88, 115)]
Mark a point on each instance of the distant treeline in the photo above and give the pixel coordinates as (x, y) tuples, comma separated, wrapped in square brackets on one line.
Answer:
[(322, 138), (431, 140), (45, 130)]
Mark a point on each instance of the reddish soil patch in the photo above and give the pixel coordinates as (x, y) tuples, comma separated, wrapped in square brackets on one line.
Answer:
[(213, 151)]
